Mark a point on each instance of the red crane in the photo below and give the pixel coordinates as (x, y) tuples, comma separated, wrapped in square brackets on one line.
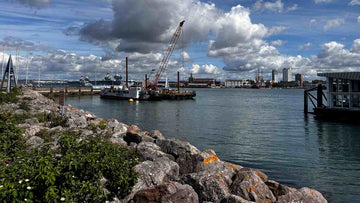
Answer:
[(167, 54)]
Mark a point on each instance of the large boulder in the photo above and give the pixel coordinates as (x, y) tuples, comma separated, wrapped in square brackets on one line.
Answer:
[(156, 134), (135, 135), (213, 181), (303, 195), (150, 151), (152, 173), (250, 186), (278, 189), (186, 155), (170, 192), (34, 142)]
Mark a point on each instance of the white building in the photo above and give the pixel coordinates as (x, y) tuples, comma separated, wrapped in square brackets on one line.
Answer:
[(234, 83), (274, 76), (287, 76)]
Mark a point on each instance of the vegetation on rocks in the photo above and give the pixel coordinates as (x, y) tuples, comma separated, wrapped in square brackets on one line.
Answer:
[(66, 168)]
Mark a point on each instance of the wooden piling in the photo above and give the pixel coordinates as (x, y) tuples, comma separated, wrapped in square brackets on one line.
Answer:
[(319, 96), (178, 82), (146, 81), (127, 73), (79, 90), (306, 102), (92, 90)]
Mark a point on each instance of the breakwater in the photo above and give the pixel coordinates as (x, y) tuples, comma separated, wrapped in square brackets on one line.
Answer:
[(170, 170)]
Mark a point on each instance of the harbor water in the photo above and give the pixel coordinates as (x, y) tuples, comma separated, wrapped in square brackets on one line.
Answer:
[(262, 129)]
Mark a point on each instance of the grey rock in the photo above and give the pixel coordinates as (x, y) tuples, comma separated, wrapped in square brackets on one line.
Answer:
[(250, 186), (213, 181), (187, 156), (32, 121), (234, 199), (156, 134), (34, 142), (19, 112), (152, 173), (118, 141), (32, 130), (303, 195), (133, 136), (171, 192), (278, 189), (150, 151)]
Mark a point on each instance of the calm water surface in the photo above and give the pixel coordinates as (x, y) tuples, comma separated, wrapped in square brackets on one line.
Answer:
[(263, 129)]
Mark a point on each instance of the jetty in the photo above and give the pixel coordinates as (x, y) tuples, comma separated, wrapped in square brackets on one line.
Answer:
[(341, 99)]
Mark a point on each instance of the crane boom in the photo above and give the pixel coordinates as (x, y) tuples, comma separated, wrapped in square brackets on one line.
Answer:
[(167, 53)]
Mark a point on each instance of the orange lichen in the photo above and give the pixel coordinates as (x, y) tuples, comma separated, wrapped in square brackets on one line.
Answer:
[(210, 159), (236, 167)]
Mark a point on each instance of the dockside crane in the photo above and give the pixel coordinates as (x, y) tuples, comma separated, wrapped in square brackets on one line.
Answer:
[(167, 54)]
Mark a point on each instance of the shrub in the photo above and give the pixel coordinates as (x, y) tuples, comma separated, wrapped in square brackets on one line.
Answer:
[(45, 135), (11, 140), (24, 105), (53, 118), (102, 124), (43, 176), (10, 97)]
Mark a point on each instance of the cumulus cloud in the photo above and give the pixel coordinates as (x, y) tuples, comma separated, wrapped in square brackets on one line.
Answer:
[(276, 6), (278, 43), (205, 69), (333, 23), (292, 8), (334, 57), (305, 46), (135, 29), (14, 44), (354, 2), (358, 19), (322, 1)]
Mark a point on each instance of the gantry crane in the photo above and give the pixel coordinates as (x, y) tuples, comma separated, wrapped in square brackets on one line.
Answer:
[(167, 54)]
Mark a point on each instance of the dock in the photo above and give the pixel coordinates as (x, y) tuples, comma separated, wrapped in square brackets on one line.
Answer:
[(341, 100), (70, 91)]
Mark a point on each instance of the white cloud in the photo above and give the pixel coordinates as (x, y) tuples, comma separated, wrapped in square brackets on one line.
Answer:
[(312, 22), (292, 8), (276, 6), (334, 57), (305, 46), (358, 19), (333, 23), (278, 43), (354, 2), (322, 1), (205, 69)]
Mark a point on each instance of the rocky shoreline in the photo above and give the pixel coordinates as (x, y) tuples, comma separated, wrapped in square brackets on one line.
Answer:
[(170, 170)]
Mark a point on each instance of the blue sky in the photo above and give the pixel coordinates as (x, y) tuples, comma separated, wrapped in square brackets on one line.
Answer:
[(222, 40)]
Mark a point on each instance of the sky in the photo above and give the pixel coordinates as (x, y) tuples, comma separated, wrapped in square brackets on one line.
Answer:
[(222, 39)]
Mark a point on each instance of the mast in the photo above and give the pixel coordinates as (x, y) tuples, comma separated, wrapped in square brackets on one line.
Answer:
[(3, 61), (27, 69)]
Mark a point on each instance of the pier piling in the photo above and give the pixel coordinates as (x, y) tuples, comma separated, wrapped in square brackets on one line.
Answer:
[(178, 81), (319, 96), (305, 102), (127, 72)]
